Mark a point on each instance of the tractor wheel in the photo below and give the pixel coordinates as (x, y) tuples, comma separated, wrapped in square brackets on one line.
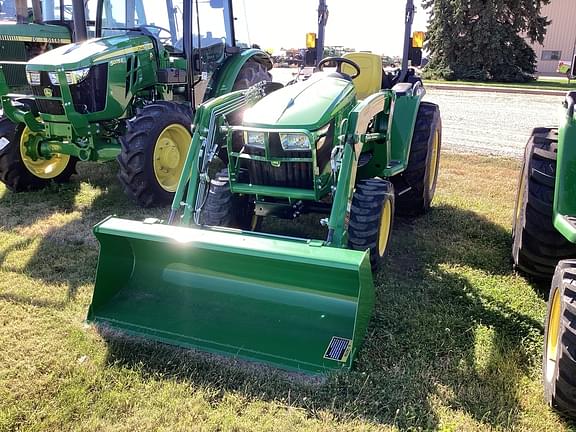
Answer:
[(536, 245), (559, 360), (251, 73), (153, 152), (18, 171), (224, 209), (419, 179), (371, 218)]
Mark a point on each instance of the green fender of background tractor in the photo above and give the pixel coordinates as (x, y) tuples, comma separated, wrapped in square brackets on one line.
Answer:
[(292, 303), (565, 195)]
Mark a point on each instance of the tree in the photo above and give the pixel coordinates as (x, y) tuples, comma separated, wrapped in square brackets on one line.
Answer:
[(483, 39)]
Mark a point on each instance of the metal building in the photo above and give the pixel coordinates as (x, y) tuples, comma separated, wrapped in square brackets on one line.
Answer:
[(560, 37)]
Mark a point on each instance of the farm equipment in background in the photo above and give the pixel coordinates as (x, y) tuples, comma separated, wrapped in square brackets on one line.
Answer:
[(26, 33), (544, 247), (129, 94), (338, 146)]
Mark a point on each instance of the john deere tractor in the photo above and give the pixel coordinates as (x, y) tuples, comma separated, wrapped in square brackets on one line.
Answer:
[(128, 94), (340, 147), (30, 28), (544, 247)]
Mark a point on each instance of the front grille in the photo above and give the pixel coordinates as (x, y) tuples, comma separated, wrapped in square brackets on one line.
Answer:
[(289, 174), (88, 97), (48, 106)]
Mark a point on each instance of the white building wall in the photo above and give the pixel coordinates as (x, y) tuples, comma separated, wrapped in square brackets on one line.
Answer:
[(561, 35)]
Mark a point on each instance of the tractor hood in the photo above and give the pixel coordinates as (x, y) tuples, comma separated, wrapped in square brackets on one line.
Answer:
[(42, 33), (306, 105), (86, 54)]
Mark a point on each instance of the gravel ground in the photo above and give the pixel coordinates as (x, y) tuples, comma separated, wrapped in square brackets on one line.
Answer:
[(492, 123)]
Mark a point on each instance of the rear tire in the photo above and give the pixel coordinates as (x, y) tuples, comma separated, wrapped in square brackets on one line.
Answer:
[(559, 359), (224, 209), (421, 175), (371, 219), (14, 172), (153, 152), (536, 245)]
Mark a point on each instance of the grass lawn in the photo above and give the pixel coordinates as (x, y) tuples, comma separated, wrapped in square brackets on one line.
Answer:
[(454, 344), (543, 83)]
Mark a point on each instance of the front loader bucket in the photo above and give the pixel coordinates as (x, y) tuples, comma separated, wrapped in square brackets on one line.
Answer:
[(293, 303)]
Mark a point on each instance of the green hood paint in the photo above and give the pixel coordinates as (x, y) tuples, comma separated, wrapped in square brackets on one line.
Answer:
[(44, 33), (306, 105), (81, 55)]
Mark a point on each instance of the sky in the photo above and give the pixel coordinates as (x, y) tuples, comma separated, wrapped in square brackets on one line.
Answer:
[(371, 25)]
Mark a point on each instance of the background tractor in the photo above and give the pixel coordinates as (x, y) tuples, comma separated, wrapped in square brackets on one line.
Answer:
[(338, 146), (544, 247), (29, 28), (128, 94)]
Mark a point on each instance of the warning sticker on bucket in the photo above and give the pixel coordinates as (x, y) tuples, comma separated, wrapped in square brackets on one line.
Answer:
[(339, 349)]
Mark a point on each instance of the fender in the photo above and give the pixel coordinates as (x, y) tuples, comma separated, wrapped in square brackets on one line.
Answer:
[(222, 81)]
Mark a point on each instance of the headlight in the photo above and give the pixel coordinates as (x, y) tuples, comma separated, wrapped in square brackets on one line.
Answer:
[(72, 77), (33, 78), (295, 142), (255, 139)]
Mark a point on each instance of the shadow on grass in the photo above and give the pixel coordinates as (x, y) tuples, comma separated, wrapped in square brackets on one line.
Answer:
[(65, 253), (438, 337)]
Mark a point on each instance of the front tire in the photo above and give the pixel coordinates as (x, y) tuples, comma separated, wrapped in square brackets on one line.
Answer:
[(18, 171), (416, 186), (371, 219), (559, 359), (153, 152), (224, 209), (536, 245)]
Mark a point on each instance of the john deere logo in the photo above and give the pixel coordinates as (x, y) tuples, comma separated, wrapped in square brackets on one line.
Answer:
[(48, 92)]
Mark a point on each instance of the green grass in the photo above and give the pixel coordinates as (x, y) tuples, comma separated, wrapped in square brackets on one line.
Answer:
[(454, 343), (544, 83)]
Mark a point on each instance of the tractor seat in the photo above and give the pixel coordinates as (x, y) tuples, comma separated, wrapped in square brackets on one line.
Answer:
[(370, 79)]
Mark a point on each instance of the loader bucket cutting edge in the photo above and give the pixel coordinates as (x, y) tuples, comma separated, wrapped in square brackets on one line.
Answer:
[(293, 304)]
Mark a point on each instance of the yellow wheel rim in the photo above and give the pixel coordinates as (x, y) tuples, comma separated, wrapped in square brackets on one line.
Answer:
[(434, 159), (42, 168), (170, 154), (385, 225), (552, 338)]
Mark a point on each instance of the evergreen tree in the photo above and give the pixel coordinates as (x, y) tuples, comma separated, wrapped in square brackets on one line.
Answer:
[(483, 39)]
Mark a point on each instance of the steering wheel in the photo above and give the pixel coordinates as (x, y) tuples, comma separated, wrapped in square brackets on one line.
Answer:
[(166, 39), (339, 62)]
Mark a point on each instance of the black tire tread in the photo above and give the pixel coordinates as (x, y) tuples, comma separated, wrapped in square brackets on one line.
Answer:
[(135, 175), (365, 212), (537, 245), (13, 172), (417, 199), (560, 392)]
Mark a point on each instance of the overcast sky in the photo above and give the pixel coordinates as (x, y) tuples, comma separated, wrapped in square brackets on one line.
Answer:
[(375, 25)]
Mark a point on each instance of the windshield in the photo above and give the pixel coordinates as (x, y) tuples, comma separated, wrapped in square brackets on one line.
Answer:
[(162, 18), (212, 27), (51, 10), (8, 10)]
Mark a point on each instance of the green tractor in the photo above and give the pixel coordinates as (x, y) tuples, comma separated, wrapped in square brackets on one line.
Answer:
[(544, 247), (340, 147), (30, 28), (127, 94)]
